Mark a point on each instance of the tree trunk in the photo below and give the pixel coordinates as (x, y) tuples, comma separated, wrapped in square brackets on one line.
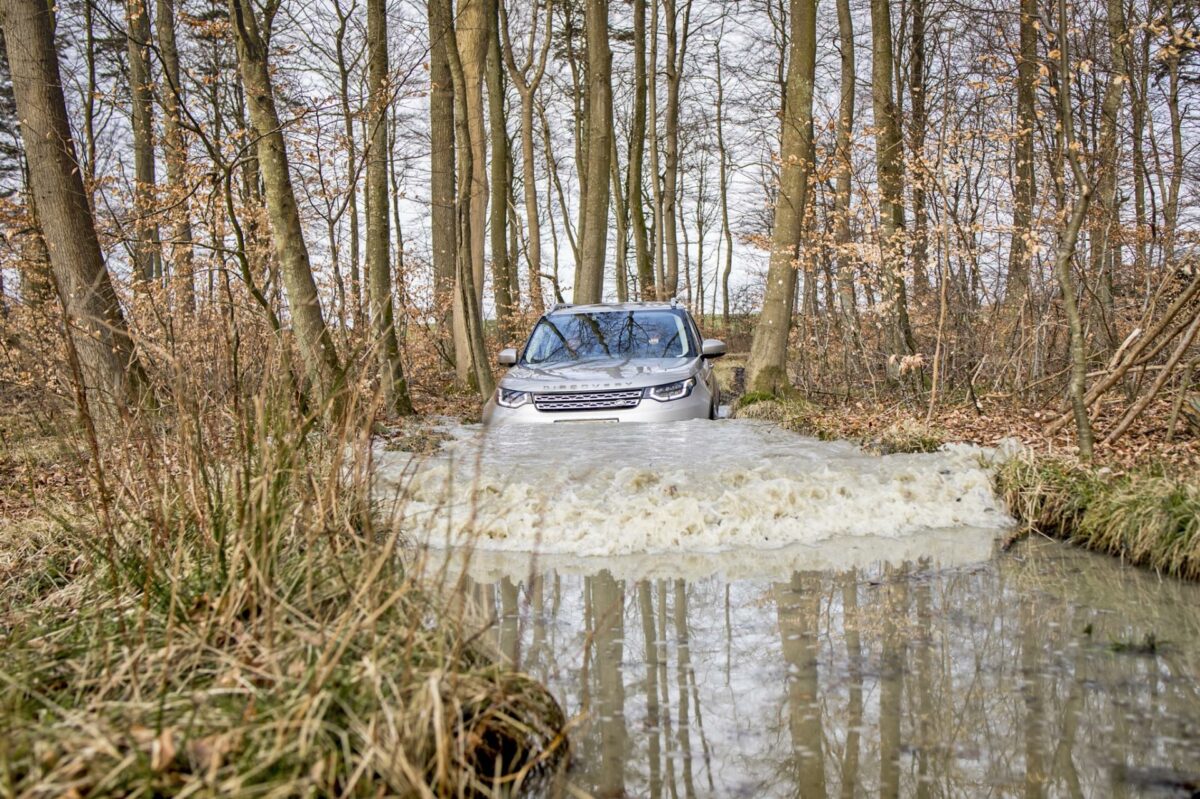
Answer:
[(916, 91), (287, 232), (176, 156), (146, 257), (443, 220), (726, 230), (527, 87), (637, 146), (379, 262), (501, 188), (656, 189), (766, 369), (593, 238), (1020, 250), (352, 166), (112, 374), (1105, 246), (889, 155), (471, 351), (1066, 245), (471, 36), (674, 64), (847, 265)]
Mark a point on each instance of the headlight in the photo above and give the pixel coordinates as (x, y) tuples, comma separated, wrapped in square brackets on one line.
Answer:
[(672, 391), (512, 399)]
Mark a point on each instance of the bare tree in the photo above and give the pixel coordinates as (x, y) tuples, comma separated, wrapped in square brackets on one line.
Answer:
[(889, 156), (146, 255), (766, 370), (111, 371), (443, 220), (379, 262), (287, 232), (593, 234), (176, 155)]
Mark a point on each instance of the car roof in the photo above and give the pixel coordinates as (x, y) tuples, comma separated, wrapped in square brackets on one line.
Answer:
[(601, 307)]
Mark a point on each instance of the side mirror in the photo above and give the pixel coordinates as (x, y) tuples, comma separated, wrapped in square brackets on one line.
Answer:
[(508, 357), (712, 348)]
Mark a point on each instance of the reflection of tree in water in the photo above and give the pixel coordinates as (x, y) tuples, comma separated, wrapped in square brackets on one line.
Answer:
[(903, 681)]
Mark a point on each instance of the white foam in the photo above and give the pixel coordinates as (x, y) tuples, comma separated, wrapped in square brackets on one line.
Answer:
[(600, 490)]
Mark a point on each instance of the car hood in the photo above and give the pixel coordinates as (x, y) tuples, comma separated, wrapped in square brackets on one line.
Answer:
[(599, 375)]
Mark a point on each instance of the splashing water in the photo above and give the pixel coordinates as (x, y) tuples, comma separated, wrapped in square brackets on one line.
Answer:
[(690, 487)]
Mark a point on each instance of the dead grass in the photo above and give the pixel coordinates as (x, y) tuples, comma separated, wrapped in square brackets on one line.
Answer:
[(1149, 517), (225, 618)]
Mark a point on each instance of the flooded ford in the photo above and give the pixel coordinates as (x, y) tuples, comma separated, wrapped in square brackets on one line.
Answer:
[(733, 610)]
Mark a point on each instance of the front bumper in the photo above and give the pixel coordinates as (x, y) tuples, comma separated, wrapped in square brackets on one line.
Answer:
[(697, 405)]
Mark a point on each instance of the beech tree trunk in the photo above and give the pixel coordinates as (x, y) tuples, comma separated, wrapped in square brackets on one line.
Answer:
[(527, 86), (287, 233), (506, 300), (766, 370), (471, 362), (146, 257), (1024, 189), (176, 157), (847, 265), (471, 38), (637, 145), (593, 238), (111, 371), (379, 262), (889, 158), (443, 220)]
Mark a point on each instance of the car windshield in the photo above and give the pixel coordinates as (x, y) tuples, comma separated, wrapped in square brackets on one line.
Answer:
[(610, 334)]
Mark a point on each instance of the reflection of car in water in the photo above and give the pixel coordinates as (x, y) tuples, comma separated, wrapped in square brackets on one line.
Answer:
[(626, 362)]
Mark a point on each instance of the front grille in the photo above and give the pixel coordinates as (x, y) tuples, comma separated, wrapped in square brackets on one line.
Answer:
[(588, 400)]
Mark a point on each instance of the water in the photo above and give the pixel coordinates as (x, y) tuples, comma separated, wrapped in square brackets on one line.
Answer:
[(810, 652), (595, 489)]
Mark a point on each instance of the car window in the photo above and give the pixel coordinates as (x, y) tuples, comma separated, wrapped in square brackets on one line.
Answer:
[(610, 334)]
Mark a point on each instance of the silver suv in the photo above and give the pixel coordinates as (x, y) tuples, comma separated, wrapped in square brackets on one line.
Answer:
[(623, 362)]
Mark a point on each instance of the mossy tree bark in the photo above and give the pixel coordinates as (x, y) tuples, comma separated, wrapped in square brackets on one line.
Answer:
[(112, 374), (766, 369), (287, 233)]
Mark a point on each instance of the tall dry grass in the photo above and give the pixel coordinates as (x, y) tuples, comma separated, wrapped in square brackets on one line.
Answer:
[(1150, 517), (219, 611)]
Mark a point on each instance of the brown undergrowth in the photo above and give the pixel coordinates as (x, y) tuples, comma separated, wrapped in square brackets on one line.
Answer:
[(206, 603)]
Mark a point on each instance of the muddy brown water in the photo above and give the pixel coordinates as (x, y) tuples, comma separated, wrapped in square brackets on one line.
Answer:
[(899, 661)]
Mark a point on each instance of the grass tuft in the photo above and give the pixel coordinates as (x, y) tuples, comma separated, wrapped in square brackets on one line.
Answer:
[(228, 618), (1146, 517)]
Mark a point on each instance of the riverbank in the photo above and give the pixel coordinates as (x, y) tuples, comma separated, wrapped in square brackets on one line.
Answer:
[(1139, 502), (214, 611)]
